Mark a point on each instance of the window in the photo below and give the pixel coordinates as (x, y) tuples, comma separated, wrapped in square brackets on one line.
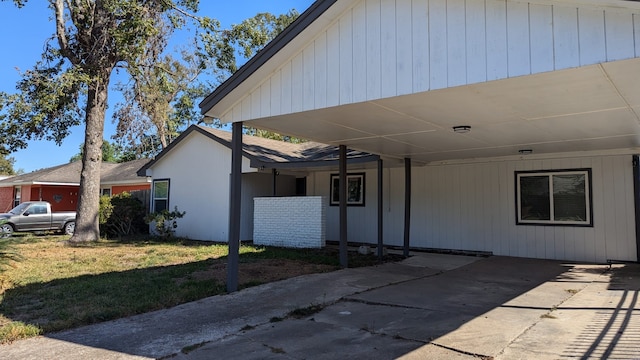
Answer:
[(16, 196), (160, 195), (37, 209), (559, 197), (106, 192), (355, 189)]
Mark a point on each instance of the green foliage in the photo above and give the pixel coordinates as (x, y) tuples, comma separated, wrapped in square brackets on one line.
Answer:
[(121, 215), (165, 221), (110, 153), (6, 166), (249, 37)]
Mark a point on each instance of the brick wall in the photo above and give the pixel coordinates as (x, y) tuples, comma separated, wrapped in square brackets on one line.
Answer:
[(296, 222), (6, 198)]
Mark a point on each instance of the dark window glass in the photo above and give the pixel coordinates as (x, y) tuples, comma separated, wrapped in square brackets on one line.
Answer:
[(534, 198)]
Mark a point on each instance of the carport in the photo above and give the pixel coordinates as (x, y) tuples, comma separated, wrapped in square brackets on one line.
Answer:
[(447, 82)]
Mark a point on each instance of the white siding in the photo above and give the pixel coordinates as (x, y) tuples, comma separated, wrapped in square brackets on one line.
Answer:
[(199, 187), (384, 48), (472, 207)]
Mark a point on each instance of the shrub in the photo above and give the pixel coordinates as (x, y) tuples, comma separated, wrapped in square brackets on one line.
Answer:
[(121, 215), (165, 221)]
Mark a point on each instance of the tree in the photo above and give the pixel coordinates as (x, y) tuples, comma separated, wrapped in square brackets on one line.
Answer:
[(110, 153), (163, 100), (92, 39), (6, 166)]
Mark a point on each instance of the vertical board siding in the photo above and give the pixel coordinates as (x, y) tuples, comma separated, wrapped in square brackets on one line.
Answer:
[(541, 38), (404, 48), (420, 45), (472, 207), (593, 48), (388, 49), (456, 43), (438, 44), (333, 86), (476, 42), (518, 39), (385, 48)]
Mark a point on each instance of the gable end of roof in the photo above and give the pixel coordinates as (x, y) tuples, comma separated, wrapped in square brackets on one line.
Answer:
[(302, 22)]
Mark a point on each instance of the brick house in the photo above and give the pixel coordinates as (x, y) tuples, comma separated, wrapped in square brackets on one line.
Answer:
[(59, 185)]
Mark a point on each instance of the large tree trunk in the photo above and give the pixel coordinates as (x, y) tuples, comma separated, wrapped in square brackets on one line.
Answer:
[(87, 226)]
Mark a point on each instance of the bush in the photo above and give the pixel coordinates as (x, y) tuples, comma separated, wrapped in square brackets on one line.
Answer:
[(165, 221), (121, 215)]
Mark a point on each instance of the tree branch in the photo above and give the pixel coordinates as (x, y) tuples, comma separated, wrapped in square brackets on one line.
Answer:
[(62, 33)]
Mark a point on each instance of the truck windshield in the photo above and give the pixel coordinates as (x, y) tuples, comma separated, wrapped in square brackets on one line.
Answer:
[(19, 209)]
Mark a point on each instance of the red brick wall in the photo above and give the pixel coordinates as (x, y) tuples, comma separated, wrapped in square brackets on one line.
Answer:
[(26, 194), (6, 198), (115, 190), (62, 198)]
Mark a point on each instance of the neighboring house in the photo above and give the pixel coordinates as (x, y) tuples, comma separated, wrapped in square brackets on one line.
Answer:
[(518, 121), (59, 185), (192, 174)]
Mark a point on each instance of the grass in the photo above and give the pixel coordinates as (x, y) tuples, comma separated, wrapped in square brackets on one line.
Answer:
[(56, 287)]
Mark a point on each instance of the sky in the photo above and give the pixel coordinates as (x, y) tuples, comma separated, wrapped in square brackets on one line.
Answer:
[(24, 32)]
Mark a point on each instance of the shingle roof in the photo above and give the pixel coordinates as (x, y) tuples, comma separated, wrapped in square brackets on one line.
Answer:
[(70, 174), (272, 153)]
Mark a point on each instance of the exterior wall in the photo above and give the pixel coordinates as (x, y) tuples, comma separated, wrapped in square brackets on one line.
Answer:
[(472, 207), (118, 189), (199, 170), (6, 198), (384, 48), (62, 198), (256, 185), (298, 222)]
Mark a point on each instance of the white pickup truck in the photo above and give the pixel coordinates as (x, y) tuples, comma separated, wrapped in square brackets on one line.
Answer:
[(36, 216)]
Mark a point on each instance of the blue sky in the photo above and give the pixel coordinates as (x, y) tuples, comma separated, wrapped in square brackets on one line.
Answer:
[(26, 30)]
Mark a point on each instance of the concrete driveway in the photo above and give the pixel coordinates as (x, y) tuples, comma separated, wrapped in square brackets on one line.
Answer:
[(430, 306)]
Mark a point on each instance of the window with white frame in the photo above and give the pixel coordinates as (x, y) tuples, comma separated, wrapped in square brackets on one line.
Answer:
[(16, 195), (160, 195), (106, 191), (557, 197)]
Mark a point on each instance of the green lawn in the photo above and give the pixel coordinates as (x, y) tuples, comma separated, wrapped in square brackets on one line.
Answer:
[(56, 287)]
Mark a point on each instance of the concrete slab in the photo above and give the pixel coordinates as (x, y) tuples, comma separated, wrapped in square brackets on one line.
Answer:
[(400, 322), (442, 262), (505, 308), (599, 321), (305, 339)]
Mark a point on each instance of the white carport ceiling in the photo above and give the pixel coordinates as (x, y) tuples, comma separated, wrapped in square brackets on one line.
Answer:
[(589, 108)]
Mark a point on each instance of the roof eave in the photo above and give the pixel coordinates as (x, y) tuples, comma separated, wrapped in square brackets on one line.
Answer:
[(287, 35)]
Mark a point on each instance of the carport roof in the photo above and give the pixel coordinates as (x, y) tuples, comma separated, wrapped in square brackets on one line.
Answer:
[(588, 108)]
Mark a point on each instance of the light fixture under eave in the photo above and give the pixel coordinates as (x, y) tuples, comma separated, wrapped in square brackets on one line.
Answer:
[(525, 151), (462, 129)]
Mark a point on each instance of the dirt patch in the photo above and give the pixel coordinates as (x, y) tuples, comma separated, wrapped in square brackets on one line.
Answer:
[(261, 271)]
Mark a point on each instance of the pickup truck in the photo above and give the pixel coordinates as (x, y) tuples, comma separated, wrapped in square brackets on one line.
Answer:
[(36, 216)]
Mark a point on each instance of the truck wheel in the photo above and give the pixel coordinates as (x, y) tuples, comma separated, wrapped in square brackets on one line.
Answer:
[(69, 227), (6, 230)]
